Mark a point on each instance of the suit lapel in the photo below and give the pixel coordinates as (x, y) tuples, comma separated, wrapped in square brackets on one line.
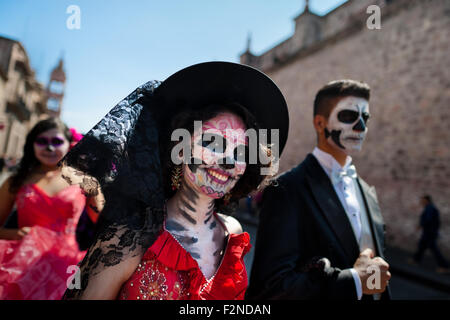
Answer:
[(373, 214), (376, 222), (331, 207)]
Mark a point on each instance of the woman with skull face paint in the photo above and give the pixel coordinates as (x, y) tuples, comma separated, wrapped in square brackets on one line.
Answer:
[(164, 232), (34, 258), (329, 227)]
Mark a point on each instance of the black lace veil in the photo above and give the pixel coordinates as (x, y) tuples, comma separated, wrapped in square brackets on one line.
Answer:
[(120, 158)]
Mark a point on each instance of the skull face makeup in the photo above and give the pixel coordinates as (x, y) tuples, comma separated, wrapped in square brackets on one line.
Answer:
[(347, 124), (50, 147), (221, 145)]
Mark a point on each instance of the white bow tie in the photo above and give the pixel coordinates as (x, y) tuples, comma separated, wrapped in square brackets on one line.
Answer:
[(338, 175)]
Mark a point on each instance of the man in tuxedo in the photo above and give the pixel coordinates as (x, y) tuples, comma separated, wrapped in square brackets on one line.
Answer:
[(321, 233)]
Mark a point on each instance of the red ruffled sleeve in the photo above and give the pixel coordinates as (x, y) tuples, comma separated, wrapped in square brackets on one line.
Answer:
[(170, 253), (180, 277), (231, 280)]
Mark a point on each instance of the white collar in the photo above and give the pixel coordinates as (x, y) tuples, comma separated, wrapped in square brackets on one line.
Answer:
[(329, 162)]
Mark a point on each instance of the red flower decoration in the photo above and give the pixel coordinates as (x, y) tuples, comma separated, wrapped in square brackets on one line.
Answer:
[(76, 137)]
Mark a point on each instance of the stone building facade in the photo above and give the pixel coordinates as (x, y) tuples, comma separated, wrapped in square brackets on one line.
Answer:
[(23, 100), (406, 63)]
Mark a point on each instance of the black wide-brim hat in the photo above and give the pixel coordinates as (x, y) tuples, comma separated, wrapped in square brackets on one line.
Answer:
[(207, 83)]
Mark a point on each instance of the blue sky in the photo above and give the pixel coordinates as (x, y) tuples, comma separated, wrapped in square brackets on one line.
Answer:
[(122, 44)]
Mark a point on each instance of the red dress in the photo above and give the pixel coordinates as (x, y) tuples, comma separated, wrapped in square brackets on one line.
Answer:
[(168, 272), (36, 266)]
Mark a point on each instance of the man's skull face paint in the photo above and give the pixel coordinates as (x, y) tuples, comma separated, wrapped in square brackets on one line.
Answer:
[(221, 145), (347, 124)]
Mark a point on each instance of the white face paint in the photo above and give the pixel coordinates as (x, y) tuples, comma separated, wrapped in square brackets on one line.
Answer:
[(347, 124), (50, 147), (215, 176)]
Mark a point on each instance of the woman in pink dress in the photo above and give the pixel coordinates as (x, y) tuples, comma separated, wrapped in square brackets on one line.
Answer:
[(34, 258)]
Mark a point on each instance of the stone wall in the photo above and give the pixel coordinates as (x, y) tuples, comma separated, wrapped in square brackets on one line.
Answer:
[(406, 63), (22, 98)]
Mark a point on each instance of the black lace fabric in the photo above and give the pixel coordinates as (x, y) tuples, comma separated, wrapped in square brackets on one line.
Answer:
[(120, 158)]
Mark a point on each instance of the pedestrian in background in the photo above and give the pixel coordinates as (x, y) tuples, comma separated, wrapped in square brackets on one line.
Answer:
[(430, 223)]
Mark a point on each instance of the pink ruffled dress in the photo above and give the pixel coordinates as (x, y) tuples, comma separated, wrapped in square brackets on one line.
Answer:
[(36, 267)]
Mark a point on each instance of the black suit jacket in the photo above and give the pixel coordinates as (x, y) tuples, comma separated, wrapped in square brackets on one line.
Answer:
[(302, 218)]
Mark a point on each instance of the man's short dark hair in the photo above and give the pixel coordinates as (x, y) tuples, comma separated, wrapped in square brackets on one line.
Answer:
[(329, 95), (428, 198)]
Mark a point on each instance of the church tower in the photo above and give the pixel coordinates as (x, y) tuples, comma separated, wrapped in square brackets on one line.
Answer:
[(55, 89), (308, 28)]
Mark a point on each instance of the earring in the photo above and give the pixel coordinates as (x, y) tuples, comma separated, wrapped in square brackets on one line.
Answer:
[(177, 173), (226, 198)]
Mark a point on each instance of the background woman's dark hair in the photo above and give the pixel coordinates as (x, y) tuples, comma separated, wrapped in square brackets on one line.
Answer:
[(29, 160), (251, 178)]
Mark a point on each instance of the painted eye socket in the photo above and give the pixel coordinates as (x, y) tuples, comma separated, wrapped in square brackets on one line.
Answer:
[(43, 141), (241, 153), (348, 116), (213, 142), (366, 116)]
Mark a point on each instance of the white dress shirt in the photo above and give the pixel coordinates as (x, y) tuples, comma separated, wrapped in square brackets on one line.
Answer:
[(351, 198)]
